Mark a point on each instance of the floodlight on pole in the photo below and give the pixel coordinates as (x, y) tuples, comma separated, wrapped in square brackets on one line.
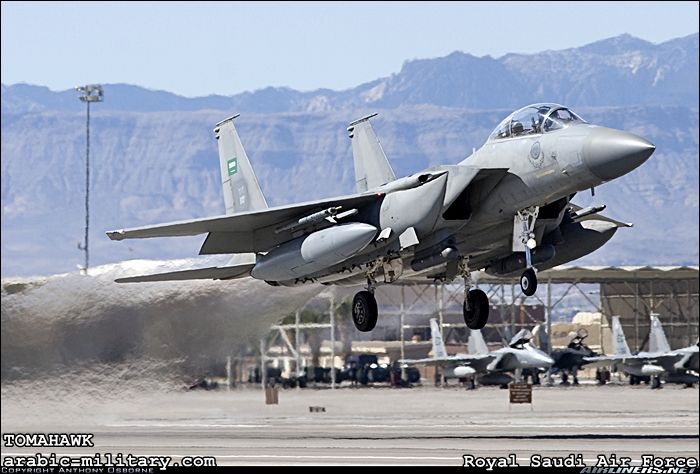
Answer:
[(89, 93)]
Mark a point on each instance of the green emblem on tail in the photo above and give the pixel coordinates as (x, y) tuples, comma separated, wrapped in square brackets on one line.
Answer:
[(232, 166)]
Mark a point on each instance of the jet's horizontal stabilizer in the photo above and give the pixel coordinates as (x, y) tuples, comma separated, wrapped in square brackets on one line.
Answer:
[(209, 273)]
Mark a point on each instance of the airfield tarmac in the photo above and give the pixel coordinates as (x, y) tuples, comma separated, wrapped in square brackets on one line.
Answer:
[(378, 426)]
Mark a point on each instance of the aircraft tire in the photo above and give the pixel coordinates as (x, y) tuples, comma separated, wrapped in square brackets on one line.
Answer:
[(475, 309), (528, 282), (364, 311)]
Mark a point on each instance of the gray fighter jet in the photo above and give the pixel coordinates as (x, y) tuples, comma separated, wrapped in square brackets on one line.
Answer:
[(659, 360), (506, 208), (452, 366), (490, 367)]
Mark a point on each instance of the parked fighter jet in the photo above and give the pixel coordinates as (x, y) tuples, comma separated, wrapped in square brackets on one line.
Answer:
[(506, 208), (678, 372), (519, 355), (653, 364), (569, 360), (455, 366), (490, 367)]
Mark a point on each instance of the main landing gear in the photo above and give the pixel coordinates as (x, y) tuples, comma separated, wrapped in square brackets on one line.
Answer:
[(525, 219), (475, 308), (364, 311), (364, 304)]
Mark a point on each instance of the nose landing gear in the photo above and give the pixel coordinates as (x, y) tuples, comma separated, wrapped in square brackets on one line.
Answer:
[(524, 240), (528, 282)]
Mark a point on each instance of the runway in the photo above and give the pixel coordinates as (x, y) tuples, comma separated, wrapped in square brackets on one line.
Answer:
[(377, 426)]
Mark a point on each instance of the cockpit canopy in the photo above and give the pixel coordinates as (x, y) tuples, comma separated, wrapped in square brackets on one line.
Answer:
[(535, 119)]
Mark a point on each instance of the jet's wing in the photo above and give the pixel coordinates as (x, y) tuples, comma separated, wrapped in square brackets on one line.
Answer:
[(215, 273), (664, 360), (667, 361), (255, 231), (475, 361), (480, 363), (602, 361), (567, 358)]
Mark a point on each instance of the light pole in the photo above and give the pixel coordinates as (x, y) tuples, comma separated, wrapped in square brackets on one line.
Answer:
[(89, 93)]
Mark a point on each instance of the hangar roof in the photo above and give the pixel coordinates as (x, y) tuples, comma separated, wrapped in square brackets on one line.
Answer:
[(604, 274)]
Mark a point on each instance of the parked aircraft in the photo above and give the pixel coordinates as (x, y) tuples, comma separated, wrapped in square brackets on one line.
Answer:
[(678, 372), (490, 368), (455, 366), (569, 360), (659, 360), (506, 209)]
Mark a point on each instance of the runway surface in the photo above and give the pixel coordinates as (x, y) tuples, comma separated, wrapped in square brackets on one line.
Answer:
[(379, 426)]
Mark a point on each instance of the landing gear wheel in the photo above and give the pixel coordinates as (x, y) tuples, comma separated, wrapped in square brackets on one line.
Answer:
[(476, 309), (364, 311), (528, 282)]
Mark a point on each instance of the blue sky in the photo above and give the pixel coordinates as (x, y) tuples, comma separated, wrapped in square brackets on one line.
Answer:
[(203, 48)]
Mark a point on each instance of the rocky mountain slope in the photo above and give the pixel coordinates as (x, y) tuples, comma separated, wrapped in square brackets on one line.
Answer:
[(154, 156)]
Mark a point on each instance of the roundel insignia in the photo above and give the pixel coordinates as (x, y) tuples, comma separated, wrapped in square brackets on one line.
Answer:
[(536, 155)]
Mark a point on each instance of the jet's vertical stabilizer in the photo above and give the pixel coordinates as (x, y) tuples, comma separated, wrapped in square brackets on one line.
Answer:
[(372, 169), (241, 189), (657, 338), (476, 343), (439, 351), (619, 342)]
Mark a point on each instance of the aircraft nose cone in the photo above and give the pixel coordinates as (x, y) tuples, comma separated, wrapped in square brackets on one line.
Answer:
[(546, 360), (609, 153)]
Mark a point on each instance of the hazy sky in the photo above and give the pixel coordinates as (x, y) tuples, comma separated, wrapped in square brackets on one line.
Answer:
[(225, 48)]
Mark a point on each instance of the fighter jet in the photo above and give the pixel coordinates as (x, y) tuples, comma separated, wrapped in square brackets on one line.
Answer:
[(490, 367), (505, 208), (569, 360), (659, 360), (678, 371), (518, 356), (456, 366)]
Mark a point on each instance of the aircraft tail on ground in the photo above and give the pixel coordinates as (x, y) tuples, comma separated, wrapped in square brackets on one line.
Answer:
[(372, 168), (241, 189), (439, 350), (618, 336), (476, 343), (657, 338)]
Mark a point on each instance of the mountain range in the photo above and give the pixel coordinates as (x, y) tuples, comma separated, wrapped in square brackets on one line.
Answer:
[(154, 158)]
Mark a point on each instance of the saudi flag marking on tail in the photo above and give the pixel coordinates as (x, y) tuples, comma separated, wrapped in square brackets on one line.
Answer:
[(232, 166)]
